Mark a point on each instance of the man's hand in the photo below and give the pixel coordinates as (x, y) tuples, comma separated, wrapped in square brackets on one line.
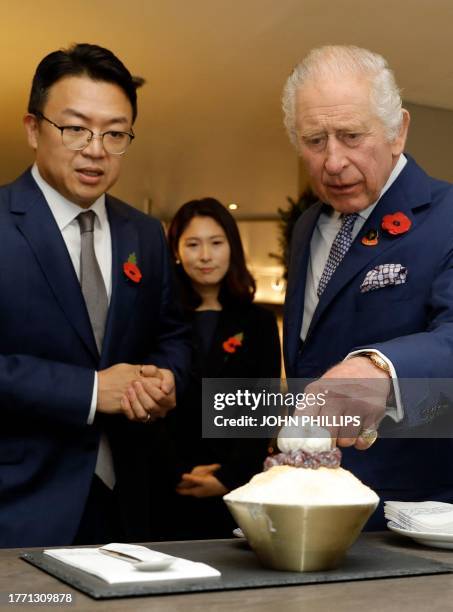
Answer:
[(354, 387), (201, 482), (154, 393), (141, 393), (112, 384)]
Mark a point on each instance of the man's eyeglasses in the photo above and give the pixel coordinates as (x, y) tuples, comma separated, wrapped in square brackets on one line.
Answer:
[(77, 138)]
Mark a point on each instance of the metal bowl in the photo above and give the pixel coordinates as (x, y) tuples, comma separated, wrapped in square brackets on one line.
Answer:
[(300, 538)]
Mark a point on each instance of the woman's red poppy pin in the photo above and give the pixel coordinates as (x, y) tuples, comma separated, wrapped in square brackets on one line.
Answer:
[(131, 270), (231, 345)]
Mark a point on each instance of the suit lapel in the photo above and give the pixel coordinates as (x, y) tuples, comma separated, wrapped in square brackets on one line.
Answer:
[(295, 292), (409, 192), (125, 241), (35, 221)]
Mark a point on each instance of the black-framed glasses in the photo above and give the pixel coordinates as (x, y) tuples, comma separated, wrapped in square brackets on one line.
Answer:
[(77, 138)]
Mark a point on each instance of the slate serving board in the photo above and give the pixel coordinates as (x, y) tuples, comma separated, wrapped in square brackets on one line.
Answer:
[(368, 559)]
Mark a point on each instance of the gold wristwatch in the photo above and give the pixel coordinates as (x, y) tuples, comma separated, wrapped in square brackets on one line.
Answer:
[(378, 361)]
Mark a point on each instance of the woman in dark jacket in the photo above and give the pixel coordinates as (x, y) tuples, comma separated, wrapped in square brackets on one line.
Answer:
[(232, 338)]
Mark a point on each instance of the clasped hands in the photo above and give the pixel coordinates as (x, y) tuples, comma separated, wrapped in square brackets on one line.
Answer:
[(141, 392)]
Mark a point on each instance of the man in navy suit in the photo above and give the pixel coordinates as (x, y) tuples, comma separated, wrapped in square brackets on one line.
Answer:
[(370, 288), (92, 346)]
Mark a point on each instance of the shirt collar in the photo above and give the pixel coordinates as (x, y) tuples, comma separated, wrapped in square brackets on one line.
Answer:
[(394, 174), (63, 209), (364, 214)]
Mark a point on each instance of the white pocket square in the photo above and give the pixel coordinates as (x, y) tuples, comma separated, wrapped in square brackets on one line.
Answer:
[(384, 275)]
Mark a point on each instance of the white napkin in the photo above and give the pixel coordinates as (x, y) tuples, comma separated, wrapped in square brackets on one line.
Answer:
[(116, 571), (425, 517)]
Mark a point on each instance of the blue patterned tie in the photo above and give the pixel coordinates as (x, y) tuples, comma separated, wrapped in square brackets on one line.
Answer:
[(338, 250)]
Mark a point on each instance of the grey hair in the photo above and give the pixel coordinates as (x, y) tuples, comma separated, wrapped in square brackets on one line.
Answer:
[(337, 60)]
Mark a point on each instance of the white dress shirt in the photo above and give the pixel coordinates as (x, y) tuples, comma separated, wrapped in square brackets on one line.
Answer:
[(327, 227)]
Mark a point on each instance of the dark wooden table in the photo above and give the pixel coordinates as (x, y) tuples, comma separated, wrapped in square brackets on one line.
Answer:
[(412, 594)]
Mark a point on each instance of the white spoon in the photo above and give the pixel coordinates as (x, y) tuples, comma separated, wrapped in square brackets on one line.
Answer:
[(155, 565), (159, 563)]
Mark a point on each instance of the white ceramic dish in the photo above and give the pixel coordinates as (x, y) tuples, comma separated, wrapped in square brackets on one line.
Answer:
[(436, 540)]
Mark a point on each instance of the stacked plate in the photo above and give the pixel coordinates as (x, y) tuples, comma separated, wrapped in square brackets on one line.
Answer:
[(429, 523)]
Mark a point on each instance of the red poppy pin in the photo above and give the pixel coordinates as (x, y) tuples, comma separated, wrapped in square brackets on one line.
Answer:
[(131, 270), (232, 344), (396, 224)]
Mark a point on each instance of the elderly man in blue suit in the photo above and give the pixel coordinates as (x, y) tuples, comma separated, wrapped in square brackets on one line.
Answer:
[(370, 288), (92, 346)]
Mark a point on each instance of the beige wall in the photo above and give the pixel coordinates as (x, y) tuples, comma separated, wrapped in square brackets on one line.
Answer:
[(430, 140), (210, 119)]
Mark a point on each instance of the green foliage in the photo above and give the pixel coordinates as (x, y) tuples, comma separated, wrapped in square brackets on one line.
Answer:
[(288, 217)]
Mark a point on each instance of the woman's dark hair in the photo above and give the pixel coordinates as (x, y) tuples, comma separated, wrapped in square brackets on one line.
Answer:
[(238, 284), (93, 61)]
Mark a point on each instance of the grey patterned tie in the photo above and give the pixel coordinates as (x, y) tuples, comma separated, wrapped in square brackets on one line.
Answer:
[(338, 250), (93, 287), (96, 300)]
